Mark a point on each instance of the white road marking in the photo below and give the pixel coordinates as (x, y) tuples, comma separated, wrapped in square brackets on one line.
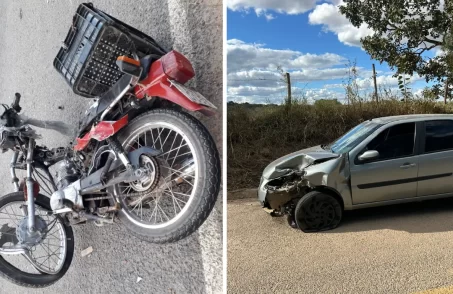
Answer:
[(211, 248)]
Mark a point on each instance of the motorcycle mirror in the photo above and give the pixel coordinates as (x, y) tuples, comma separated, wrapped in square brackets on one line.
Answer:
[(129, 66), (15, 105)]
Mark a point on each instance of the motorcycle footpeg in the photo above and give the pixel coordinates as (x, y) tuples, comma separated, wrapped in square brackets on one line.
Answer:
[(60, 211)]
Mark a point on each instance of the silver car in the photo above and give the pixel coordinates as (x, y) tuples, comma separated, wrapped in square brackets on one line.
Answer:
[(382, 161)]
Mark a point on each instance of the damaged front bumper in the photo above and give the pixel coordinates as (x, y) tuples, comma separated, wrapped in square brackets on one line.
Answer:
[(262, 191), (287, 179), (275, 193)]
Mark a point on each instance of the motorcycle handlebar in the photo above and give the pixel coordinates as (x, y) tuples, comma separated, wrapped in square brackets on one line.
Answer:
[(15, 105)]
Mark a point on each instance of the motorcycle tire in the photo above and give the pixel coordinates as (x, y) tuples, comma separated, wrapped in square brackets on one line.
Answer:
[(206, 192), (30, 280)]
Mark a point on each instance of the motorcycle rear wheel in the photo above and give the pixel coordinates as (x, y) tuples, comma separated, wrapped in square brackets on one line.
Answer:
[(38, 279), (192, 206)]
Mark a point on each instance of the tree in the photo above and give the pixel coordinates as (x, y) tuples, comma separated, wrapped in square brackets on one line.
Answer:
[(430, 94), (447, 47), (403, 32)]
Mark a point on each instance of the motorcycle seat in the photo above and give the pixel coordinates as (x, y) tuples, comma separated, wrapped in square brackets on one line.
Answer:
[(145, 63), (108, 97)]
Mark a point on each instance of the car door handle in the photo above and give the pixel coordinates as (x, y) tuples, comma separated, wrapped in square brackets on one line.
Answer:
[(408, 165)]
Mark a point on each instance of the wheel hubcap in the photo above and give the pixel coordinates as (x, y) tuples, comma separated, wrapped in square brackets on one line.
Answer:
[(148, 178), (319, 214), (25, 236)]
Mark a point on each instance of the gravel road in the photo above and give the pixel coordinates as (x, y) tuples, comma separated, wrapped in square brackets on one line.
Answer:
[(31, 32), (394, 249)]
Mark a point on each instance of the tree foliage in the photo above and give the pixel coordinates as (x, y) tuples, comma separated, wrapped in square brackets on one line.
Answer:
[(404, 31)]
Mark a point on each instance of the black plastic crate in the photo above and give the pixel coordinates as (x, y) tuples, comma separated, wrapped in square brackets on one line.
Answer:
[(95, 40)]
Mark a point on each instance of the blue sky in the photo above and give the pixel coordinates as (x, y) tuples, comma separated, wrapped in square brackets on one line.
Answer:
[(310, 39)]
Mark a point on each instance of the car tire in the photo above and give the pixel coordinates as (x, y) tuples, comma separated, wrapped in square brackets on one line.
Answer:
[(317, 211)]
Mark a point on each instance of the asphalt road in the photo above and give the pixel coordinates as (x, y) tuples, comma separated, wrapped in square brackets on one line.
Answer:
[(395, 249), (31, 32)]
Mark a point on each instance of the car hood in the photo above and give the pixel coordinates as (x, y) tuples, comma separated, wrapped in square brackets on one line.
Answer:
[(297, 160)]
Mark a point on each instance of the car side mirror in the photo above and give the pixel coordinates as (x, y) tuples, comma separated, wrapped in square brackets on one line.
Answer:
[(369, 155)]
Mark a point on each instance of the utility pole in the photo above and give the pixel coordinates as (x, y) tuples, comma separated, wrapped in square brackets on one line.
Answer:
[(375, 85), (288, 82), (446, 91)]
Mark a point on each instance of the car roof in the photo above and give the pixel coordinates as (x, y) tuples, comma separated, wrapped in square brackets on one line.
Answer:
[(411, 117)]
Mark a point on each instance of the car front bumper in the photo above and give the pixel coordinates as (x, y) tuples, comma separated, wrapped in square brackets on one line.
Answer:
[(262, 191)]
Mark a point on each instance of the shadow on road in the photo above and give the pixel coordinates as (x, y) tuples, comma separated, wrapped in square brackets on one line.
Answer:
[(419, 217)]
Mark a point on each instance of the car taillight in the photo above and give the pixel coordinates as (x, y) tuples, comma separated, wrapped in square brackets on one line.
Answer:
[(177, 67)]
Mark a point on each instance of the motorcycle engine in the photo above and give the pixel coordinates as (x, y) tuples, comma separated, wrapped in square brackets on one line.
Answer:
[(66, 173)]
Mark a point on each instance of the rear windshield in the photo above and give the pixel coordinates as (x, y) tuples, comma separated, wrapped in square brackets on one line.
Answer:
[(352, 138)]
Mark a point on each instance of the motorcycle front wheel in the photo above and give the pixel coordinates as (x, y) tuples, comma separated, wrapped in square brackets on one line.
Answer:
[(178, 193), (47, 260)]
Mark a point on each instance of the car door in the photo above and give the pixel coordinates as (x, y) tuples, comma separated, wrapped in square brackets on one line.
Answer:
[(435, 175), (391, 176)]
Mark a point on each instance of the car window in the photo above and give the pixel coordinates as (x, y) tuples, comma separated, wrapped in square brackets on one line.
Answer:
[(394, 142), (439, 135), (352, 138)]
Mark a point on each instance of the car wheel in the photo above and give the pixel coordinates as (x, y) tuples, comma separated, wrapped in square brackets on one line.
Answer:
[(317, 211)]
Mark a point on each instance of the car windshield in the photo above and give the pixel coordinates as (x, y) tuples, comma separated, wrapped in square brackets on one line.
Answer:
[(352, 138)]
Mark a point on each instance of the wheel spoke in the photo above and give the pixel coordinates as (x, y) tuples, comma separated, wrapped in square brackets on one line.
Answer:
[(168, 135), (47, 255), (156, 201), (189, 152), (173, 149)]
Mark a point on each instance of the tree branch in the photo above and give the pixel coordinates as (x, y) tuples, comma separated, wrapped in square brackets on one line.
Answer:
[(436, 43)]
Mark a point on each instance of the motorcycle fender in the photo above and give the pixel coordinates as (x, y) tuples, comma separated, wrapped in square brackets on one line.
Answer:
[(165, 80), (166, 89)]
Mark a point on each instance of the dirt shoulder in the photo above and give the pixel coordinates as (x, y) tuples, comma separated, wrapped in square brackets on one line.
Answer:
[(397, 249)]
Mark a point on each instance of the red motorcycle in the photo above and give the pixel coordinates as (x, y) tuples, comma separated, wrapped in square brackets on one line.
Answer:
[(138, 155)]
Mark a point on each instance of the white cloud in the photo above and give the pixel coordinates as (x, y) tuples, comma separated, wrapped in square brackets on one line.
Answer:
[(262, 12), (280, 6), (438, 52), (323, 93), (254, 94), (419, 92), (253, 75), (385, 80), (245, 56), (269, 16), (325, 14), (276, 95), (329, 16)]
